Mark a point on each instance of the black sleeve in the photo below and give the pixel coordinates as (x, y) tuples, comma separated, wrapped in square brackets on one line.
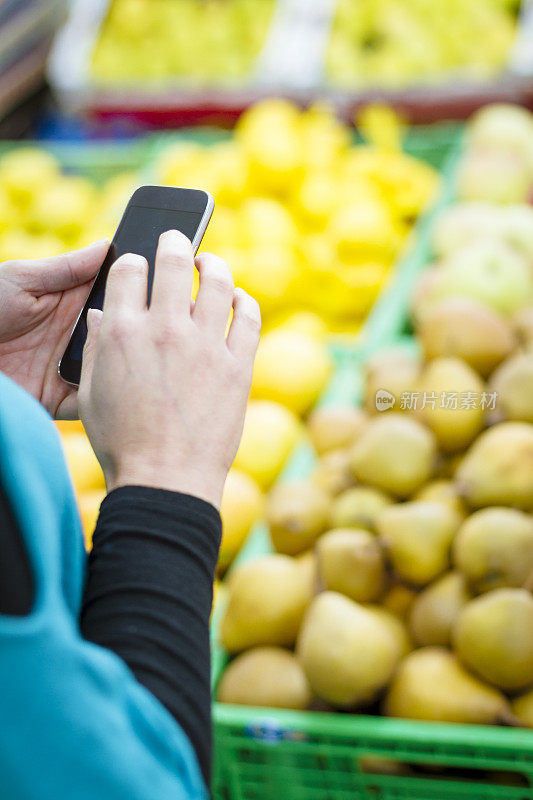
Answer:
[(16, 578), (148, 598)]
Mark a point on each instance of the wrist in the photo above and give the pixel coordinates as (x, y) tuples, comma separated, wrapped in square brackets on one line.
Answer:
[(197, 483)]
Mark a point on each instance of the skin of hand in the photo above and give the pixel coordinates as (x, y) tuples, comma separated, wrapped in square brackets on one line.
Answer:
[(163, 389), (39, 304)]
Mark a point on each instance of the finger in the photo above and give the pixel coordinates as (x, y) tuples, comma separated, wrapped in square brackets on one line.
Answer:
[(215, 293), (94, 321), (173, 274), (66, 271), (127, 284), (245, 328)]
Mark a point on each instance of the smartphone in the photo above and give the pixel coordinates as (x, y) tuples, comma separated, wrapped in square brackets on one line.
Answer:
[(151, 211)]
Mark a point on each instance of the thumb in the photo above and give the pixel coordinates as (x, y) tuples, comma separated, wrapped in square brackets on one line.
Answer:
[(66, 271), (94, 320)]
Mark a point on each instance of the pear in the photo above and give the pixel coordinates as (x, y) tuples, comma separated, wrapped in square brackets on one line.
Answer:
[(498, 467), (522, 707), (347, 652), (358, 508), (308, 566), (493, 636), (351, 562), (418, 538), (436, 608), (394, 453), (467, 329), (334, 427), (399, 599), (396, 626), (513, 384), (267, 598), (394, 371), (431, 684), (494, 548), (445, 381), (462, 223), (333, 471), (443, 491), (297, 512), (265, 676)]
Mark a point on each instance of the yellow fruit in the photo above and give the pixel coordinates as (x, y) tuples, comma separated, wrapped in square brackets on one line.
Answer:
[(522, 708), (17, 244), (364, 230), (242, 504), (270, 434), (84, 468), (305, 322), (89, 506), (265, 676), (297, 513), (64, 207), (333, 471), (358, 507), (27, 171), (333, 427), (436, 608), (267, 598), (292, 369), (351, 562)]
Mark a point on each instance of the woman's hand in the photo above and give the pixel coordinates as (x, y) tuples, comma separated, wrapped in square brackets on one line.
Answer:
[(39, 304), (163, 391)]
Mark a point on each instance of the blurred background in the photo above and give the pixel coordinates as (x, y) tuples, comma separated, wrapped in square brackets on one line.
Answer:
[(372, 168)]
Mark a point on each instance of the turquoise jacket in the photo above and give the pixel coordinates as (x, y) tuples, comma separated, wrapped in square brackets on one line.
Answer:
[(74, 722)]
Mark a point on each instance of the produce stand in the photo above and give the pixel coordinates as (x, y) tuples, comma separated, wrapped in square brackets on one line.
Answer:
[(265, 753)]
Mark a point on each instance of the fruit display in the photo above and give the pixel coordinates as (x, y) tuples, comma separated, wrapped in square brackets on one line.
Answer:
[(157, 40), (410, 541), (45, 210), (395, 43)]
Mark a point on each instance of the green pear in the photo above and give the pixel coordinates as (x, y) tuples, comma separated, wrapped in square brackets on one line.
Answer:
[(494, 548), (467, 329), (513, 384), (446, 380), (351, 562), (393, 370), (396, 627), (394, 453), (266, 600), (265, 676), (358, 507), (347, 652), (493, 636), (418, 538), (297, 513), (431, 684), (497, 469), (333, 427), (436, 608)]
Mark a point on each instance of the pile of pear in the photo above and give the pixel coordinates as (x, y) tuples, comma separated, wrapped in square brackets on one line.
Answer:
[(402, 567)]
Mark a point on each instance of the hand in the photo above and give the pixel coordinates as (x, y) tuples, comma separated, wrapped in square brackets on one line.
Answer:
[(39, 303), (163, 392)]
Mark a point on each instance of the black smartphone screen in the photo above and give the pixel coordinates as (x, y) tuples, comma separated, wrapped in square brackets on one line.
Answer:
[(138, 232)]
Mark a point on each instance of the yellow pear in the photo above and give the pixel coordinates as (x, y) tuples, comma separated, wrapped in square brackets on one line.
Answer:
[(394, 453), (498, 467), (443, 491), (494, 548), (442, 385), (265, 676), (436, 608), (418, 537), (333, 427), (493, 636), (394, 371), (242, 504), (333, 471), (464, 328), (297, 512), (351, 562), (523, 323), (358, 507), (267, 598), (347, 652), (396, 627), (522, 708), (513, 384), (431, 684)]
